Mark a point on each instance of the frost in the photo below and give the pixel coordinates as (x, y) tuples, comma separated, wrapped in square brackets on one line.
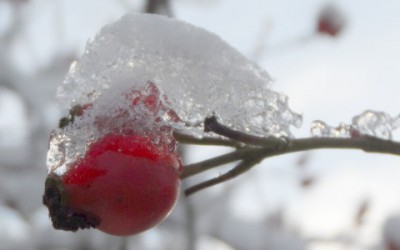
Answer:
[(194, 72), (373, 123)]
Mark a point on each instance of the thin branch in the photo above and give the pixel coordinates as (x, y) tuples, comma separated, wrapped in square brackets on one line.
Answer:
[(162, 7), (234, 172), (202, 166), (212, 125), (206, 141), (258, 148), (366, 143)]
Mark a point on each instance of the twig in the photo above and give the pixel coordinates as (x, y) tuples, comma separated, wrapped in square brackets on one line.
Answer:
[(366, 143), (261, 148), (237, 170), (214, 141), (212, 125), (162, 7), (202, 166)]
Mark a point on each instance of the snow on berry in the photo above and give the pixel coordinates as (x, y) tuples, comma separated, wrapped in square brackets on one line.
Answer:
[(198, 72), (113, 161)]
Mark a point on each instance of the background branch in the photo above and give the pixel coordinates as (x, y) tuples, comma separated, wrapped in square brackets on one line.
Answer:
[(162, 7)]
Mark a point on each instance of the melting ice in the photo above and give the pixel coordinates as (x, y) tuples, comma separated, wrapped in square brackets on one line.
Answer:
[(196, 72)]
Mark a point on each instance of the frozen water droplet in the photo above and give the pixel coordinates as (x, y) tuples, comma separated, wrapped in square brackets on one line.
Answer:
[(374, 123), (321, 129), (56, 154), (379, 124), (72, 67), (343, 130)]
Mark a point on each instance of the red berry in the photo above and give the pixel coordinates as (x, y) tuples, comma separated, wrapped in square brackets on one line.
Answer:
[(330, 21), (124, 185)]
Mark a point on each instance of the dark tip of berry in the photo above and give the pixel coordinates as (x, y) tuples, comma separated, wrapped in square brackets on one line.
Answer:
[(62, 216)]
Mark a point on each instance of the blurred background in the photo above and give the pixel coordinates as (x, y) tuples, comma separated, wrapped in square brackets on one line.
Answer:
[(334, 59)]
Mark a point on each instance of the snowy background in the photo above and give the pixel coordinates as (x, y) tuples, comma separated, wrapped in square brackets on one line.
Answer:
[(324, 200)]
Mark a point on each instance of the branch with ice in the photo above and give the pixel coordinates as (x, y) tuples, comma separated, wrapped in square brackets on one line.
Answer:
[(257, 149), (373, 123)]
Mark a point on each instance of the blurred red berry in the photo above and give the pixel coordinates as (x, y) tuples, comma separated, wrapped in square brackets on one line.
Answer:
[(331, 21), (124, 185)]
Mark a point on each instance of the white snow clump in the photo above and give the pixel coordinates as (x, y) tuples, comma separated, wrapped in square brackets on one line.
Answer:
[(197, 71), (148, 74)]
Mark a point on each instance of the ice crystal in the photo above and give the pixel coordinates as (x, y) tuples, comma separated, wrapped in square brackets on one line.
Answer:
[(321, 129), (379, 124), (373, 123)]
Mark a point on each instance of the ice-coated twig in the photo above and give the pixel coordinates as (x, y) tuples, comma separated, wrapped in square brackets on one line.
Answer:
[(252, 153)]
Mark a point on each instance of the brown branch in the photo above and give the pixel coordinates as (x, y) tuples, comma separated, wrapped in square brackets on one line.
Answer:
[(234, 172), (212, 125), (196, 168), (366, 143), (215, 141), (161, 7)]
